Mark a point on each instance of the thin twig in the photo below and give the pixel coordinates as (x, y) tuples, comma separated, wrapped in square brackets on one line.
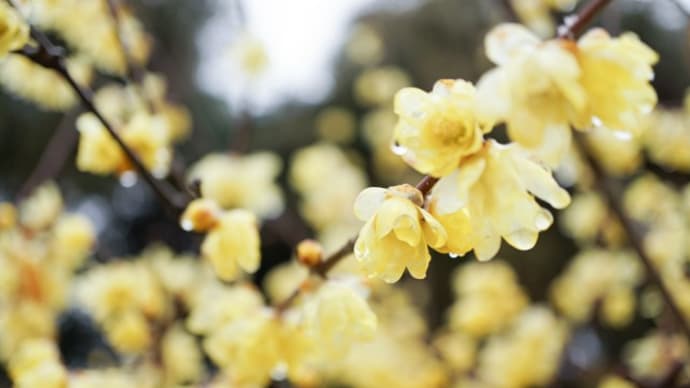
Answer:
[(573, 25), (54, 155), (52, 57), (601, 182)]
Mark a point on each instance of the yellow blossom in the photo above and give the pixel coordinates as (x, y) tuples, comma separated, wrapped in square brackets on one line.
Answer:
[(250, 55), (129, 333), (37, 364), (233, 244), (365, 46), (248, 348), (14, 32), (217, 305), (535, 89), (377, 86), (489, 297), (396, 232), (73, 238), (41, 209), (42, 86), (458, 350), (527, 354), (98, 152), (491, 196), (241, 181), (598, 276), (619, 154), (654, 355), (616, 75), (435, 130), (336, 124), (337, 315), (181, 356)]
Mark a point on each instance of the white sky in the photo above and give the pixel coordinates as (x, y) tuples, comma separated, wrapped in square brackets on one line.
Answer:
[(302, 38)]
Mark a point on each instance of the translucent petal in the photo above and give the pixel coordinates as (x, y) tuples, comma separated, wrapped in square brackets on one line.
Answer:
[(368, 201), (434, 233), (506, 40), (419, 263), (539, 181), (411, 102)]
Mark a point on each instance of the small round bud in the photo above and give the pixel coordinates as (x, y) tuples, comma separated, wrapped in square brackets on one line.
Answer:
[(201, 215), (309, 253)]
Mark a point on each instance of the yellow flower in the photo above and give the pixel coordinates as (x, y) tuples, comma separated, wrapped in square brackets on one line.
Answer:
[(250, 54), (40, 85), (73, 237), (491, 196), (535, 89), (248, 348), (594, 276), (129, 333), (489, 298), (241, 181), (435, 130), (528, 354), (396, 232), (14, 32), (42, 209), (181, 356), (37, 364), (233, 244), (336, 316), (98, 153), (619, 155), (616, 75), (377, 86)]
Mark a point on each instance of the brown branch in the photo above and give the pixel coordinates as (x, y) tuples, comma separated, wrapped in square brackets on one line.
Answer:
[(570, 28), (573, 25), (52, 57), (54, 155), (603, 186)]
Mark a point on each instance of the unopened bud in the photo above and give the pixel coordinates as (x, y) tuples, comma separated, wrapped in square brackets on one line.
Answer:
[(309, 253), (201, 215)]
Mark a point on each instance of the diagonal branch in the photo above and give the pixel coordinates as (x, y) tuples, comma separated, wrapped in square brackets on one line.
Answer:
[(52, 57)]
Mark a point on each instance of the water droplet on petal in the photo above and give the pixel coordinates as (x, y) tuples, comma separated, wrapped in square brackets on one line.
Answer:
[(398, 149), (187, 225), (622, 135), (522, 239), (596, 122), (128, 179), (543, 220), (453, 255)]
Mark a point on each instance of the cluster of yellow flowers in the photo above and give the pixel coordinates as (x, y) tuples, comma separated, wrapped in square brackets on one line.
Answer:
[(486, 190), (106, 44), (232, 240), (40, 248), (600, 282), (326, 198), (146, 121), (494, 338), (241, 181)]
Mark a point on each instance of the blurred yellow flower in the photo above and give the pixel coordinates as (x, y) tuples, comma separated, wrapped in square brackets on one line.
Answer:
[(241, 181), (337, 316), (436, 130), (37, 364), (14, 32), (233, 244), (396, 232), (377, 86)]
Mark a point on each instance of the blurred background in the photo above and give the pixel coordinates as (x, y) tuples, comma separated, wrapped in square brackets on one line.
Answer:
[(313, 87)]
